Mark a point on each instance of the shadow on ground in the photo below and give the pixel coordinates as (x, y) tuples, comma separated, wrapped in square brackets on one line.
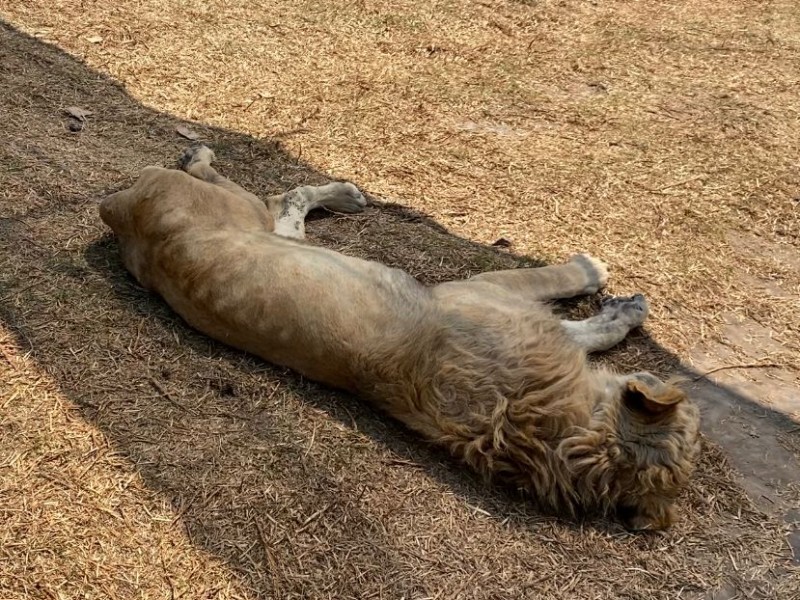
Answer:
[(248, 454)]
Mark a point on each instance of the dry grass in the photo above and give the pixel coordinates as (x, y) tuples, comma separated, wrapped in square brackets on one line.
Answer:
[(141, 460)]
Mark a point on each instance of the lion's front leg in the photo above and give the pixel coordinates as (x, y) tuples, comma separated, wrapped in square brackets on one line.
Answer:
[(583, 274), (605, 330)]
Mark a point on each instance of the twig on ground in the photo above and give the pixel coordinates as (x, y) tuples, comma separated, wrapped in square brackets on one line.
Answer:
[(746, 366)]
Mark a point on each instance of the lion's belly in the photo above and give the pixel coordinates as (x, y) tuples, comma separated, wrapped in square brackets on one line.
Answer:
[(310, 309)]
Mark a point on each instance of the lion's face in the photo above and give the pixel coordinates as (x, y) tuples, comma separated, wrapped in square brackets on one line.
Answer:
[(657, 442)]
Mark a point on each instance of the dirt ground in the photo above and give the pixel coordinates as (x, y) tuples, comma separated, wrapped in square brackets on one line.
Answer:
[(139, 459)]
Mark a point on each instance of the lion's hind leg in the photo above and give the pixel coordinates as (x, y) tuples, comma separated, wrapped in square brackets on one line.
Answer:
[(196, 161), (290, 209)]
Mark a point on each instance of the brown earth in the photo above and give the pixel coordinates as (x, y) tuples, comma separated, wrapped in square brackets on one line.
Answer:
[(141, 460)]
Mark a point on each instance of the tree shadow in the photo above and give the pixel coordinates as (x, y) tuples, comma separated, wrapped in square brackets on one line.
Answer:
[(224, 436)]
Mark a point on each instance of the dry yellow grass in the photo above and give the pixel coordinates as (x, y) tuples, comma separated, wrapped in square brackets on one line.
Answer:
[(651, 132), (78, 520), (140, 460)]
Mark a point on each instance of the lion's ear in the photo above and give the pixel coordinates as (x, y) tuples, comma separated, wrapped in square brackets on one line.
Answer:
[(640, 397)]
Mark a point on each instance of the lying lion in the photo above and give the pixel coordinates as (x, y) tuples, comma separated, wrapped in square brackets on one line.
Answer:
[(479, 366)]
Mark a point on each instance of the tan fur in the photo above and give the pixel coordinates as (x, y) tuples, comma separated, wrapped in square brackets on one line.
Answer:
[(480, 366)]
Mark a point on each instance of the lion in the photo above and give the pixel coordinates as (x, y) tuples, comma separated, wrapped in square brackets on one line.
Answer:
[(482, 367)]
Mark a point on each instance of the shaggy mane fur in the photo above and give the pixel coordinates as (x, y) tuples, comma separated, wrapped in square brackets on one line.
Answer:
[(528, 410)]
